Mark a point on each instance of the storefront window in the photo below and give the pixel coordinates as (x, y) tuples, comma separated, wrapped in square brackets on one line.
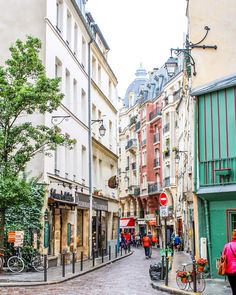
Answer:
[(80, 228)]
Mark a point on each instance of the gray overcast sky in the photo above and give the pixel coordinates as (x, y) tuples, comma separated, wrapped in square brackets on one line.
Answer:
[(139, 31)]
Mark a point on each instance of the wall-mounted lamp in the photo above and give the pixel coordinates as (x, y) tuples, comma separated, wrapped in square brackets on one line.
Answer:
[(102, 129), (177, 154), (56, 120), (187, 51)]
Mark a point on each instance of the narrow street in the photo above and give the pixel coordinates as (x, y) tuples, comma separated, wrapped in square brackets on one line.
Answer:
[(129, 276)]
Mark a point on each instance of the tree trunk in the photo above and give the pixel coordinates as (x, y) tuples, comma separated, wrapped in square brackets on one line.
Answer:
[(2, 226)]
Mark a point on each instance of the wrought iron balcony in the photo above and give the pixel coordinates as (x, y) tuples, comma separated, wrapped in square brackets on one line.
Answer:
[(137, 126), (131, 144), (154, 187), (157, 162), (156, 138), (132, 120), (154, 114), (166, 127), (218, 172), (144, 142), (133, 166), (167, 181), (134, 190)]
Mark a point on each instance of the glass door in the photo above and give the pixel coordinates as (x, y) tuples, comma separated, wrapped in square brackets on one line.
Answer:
[(231, 222)]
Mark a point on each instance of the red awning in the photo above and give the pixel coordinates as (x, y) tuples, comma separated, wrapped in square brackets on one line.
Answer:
[(127, 222)]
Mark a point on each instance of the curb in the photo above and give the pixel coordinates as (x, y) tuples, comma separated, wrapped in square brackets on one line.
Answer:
[(171, 290), (32, 284)]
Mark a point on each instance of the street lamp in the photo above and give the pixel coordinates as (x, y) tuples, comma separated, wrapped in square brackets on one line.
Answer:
[(102, 129), (171, 65)]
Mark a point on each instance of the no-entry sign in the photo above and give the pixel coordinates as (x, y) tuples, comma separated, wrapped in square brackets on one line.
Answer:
[(163, 199)]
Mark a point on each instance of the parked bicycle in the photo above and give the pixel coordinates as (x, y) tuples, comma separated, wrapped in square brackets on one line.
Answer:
[(185, 280), (17, 263)]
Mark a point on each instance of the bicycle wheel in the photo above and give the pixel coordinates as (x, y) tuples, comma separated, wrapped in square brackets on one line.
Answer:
[(38, 263), (200, 283), (15, 264), (181, 285)]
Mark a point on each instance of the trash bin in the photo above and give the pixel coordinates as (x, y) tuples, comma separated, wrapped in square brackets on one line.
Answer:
[(155, 271)]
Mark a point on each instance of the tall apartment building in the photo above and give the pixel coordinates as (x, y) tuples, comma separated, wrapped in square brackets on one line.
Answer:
[(71, 44), (214, 93)]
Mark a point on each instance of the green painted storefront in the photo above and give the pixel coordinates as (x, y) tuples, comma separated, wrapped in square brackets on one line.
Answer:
[(216, 158)]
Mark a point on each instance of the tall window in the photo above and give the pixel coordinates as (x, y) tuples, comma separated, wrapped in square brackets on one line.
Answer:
[(67, 163), (67, 90), (83, 52), (58, 68), (68, 28), (110, 133), (99, 75), (84, 161), (144, 158), (94, 69), (84, 106), (80, 223), (75, 97), (76, 40), (75, 162), (59, 15), (100, 174)]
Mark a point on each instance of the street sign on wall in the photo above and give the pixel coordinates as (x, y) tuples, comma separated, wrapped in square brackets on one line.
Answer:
[(164, 211), (163, 199)]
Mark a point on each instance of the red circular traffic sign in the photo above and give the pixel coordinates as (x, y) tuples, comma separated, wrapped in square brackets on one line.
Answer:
[(163, 199)]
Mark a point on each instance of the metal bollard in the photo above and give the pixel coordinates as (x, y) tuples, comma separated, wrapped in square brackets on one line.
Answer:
[(194, 276), (102, 255), (116, 251), (73, 262), (63, 256), (125, 250), (45, 268), (120, 251), (109, 252), (129, 248), (81, 260), (162, 267), (167, 270), (93, 257)]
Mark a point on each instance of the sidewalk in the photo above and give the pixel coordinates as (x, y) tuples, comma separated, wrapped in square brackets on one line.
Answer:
[(213, 286), (54, 274)]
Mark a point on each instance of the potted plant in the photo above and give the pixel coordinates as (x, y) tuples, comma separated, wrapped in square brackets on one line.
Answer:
[(166, 152), (201, 263), (96, 192), (175, 149), (183, 275)]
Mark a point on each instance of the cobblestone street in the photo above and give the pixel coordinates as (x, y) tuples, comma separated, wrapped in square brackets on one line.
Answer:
[(128, 276)]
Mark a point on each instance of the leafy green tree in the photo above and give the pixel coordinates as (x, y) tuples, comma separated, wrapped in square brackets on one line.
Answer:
[(24, 90)]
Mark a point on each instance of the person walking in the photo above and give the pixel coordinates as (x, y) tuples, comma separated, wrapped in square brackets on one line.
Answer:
[(230, 252), (146, 245), (150, 237)]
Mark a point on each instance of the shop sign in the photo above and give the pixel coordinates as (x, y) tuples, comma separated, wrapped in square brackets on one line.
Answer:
[(149, 216), (98, 204), (82, 200), (62, 196), (141, 222), (16, 237)]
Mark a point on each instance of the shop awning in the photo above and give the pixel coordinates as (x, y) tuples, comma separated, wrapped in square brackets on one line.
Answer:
[(152, 222), (127, 222)]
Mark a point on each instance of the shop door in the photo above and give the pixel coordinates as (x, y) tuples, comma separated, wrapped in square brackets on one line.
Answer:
[(231, 223)]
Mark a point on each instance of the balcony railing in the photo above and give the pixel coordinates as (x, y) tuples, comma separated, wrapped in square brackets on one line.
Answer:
[(137, 126), (156, 138), (134, 190), (144, 142), (166, 127), (132, 120), (157, 162), (167, 181), (154, 114), (132, 143), (133, 166), (154, 187), (218, 172)]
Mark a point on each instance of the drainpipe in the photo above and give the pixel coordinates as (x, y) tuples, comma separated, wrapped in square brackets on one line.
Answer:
[(208, 234), (90, 151)]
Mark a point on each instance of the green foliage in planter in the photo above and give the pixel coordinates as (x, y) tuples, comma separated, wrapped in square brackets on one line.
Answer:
[(25, 217)]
